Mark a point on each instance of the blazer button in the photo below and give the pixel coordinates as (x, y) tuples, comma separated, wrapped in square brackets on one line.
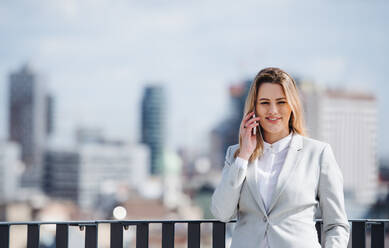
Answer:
[(264, 219)]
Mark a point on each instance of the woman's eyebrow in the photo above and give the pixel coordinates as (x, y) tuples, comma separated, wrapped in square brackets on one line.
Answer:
[(281, 98)]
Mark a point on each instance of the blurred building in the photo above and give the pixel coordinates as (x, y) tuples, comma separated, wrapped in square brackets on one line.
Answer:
[(30, 120), (348, 121), (89, 135), (226, 133), (154, 125), (61, 174), (94, 169), (379, 210), (49, 114), (172, 180), (10, 169)]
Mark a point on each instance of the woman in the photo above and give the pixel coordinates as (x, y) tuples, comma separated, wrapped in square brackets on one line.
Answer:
[(274, 181)]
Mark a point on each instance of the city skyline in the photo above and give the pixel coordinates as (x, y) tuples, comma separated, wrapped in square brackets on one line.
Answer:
[(193, 50)]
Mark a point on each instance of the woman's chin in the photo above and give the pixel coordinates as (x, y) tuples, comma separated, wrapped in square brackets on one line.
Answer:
[(273, 130)]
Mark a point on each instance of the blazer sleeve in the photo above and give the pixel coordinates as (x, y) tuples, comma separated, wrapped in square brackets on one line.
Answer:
[(226, 195), (335, 223)]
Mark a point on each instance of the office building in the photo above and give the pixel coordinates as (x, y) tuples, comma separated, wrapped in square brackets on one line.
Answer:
[(347, 120), (30, 120), (153, 125), (61, 174), (83, 175)]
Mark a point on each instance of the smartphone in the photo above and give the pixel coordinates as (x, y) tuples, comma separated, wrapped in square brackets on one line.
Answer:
[(254, 130)]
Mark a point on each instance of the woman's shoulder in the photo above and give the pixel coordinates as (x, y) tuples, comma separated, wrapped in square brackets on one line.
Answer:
[(231, 149), (309, 142)]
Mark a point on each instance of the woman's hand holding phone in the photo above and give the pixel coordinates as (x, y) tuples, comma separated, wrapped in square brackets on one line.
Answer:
[(249, 140)]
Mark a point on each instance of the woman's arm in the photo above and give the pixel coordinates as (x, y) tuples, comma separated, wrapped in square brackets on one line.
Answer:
[(335, 223), (226, 196)]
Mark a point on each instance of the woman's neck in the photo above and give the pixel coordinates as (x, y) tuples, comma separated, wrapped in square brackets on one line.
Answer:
[(274, 137)]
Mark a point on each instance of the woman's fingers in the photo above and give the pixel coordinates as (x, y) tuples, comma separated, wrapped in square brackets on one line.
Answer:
[(248, 130), (252, 120), (253, 125), (248, 116), (248, 123)]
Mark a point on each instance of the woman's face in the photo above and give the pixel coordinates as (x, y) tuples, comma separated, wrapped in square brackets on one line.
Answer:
[(274, 111)]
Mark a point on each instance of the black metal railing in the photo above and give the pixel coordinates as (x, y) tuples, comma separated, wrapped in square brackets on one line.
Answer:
[(361, 229)]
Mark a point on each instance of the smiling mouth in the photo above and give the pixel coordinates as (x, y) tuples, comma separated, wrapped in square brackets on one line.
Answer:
[(273, 120)]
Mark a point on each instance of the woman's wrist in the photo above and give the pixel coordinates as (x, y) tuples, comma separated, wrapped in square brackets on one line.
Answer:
[(244, 155)]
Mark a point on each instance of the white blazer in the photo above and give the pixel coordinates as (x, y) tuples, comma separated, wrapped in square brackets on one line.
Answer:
[(310, 178)]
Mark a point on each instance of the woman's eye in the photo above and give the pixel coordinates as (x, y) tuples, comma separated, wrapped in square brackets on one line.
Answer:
[(268, 102)]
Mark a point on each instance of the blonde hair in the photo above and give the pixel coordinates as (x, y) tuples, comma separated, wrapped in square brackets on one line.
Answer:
[(275, 76)]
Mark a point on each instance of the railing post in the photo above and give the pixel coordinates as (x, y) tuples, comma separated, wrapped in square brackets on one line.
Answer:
[(116, 235), (91, 236), (358, 234), (219, 235), (318, 226), (167, 235), (61, 236), (378, 235), (4, 236), (142, 235), (33, 236), (193, 235)]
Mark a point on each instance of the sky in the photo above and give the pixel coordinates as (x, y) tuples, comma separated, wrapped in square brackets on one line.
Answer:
[(97, 56)]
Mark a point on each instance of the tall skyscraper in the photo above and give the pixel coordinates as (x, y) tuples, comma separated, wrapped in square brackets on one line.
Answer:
[(154, 125), (348, 121), (30, 120)]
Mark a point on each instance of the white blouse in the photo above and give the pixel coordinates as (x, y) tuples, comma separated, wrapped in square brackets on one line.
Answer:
[(268, 168)]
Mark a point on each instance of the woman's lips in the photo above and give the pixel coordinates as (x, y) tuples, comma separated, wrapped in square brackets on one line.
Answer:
[(272, 121)]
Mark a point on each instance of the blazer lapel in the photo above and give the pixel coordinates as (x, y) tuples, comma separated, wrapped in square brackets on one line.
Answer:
[(291, 160), (251, 178)]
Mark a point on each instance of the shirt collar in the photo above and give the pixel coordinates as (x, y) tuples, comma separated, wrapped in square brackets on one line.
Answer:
[(278, 146)]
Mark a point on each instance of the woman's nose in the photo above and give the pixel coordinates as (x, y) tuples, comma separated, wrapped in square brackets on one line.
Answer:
[(273, 109)]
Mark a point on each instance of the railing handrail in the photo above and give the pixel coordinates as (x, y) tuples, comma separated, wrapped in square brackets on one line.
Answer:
[(134, 222)]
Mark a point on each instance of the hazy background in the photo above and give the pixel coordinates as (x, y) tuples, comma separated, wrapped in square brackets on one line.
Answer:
[(97, 58), (98, 55)]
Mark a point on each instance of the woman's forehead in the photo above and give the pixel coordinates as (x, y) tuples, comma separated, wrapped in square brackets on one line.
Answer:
[(271, 91)]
